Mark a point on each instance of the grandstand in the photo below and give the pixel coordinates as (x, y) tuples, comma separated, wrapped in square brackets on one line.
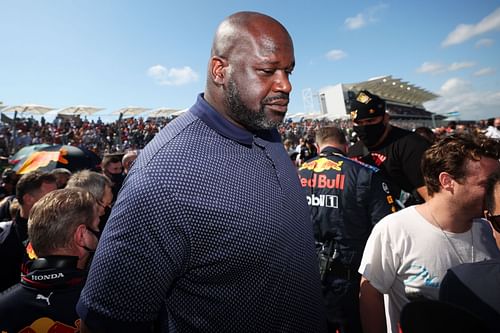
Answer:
[(404, 100)]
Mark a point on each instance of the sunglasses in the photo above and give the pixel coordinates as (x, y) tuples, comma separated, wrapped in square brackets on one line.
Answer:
[(494, 220)]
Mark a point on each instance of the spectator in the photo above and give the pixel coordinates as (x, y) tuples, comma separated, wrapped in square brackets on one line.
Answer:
[(30, 188), (474, 286), (8, 185), (395, 151), (112, 168), (493, 129), (408, 252), (204, 245), (63, 231), (346, 199), (100, 187), (8, 193), (62, 176), (128, 159)]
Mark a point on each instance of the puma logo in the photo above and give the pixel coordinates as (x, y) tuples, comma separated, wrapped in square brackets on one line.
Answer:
[(47, 299)]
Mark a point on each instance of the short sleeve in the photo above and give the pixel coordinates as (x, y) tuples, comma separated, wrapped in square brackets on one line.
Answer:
[(379, 263)]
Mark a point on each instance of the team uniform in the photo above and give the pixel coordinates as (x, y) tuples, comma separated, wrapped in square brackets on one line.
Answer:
[(346, 199), (13, 238), (45, 299)]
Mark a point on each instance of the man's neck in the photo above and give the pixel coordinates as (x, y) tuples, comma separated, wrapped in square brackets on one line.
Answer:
[(445, 216), (335, 146)]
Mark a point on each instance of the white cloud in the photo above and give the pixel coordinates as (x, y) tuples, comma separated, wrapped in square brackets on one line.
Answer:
[(484, 42), (464, 32), (356, 22), (431, 67), (460, 95), (438, 68), (485, 71), (336, 55), (172, 76), (370, 15), (460, 65)]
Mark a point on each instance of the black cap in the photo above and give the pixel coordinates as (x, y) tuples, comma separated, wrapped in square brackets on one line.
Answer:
[(366, 105)]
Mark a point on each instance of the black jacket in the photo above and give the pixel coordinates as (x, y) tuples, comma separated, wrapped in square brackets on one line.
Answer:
[(46, 297), (346, 199), (13, 236)]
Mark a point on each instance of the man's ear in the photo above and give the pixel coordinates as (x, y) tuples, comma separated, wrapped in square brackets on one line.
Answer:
[(79, 235), (28, 200), (446, 181), (218, 70)]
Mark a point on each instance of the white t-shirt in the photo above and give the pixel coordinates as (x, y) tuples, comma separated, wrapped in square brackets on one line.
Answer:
[(405, 254)]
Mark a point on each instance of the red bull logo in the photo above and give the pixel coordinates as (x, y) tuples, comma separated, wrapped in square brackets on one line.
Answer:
[(322, 181), (42, 159), (322, 164), (47, 325)]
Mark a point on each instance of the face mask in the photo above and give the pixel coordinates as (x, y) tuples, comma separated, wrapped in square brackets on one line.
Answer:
[(498, 128), (116, 177), (370, 134)]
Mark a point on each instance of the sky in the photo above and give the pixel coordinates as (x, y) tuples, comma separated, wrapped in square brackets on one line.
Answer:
[(118, 53)]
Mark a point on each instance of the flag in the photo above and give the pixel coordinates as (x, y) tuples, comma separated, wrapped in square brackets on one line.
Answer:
[(6, 119)]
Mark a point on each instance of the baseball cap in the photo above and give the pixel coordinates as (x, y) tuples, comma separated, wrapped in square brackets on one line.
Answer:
[(366, 105)]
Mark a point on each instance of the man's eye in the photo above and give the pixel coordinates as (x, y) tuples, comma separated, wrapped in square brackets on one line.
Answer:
[(267, 71)]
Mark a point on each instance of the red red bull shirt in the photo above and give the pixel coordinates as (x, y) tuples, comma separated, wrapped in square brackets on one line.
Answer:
[(210, 233)]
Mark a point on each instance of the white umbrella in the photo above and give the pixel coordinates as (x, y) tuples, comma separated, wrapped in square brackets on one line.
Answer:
[(178, 113), (162, 112), (79, 110), (130, 111), (29, 108)]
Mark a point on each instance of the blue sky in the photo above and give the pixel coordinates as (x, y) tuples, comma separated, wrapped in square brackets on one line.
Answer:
[(118, 53)]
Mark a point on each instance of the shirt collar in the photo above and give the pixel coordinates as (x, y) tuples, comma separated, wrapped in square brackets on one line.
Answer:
[(329, 150), (224, 127)]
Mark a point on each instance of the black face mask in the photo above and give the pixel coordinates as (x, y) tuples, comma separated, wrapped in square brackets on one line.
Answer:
[(116, 178), (370, 134)]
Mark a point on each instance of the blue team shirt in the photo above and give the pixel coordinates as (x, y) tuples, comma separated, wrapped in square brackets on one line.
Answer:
[(210, 233)]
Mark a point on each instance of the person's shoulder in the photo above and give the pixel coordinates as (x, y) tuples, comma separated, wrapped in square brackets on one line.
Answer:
[(490, 267), (5, 228), (408, 138), (10, 298), (359, 165), (399, 219), (357, 149)]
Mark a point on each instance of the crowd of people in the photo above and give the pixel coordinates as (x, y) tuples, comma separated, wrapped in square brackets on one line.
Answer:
[(231, 218), (133, 133)]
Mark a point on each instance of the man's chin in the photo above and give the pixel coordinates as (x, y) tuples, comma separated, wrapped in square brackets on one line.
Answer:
[(275, 116)]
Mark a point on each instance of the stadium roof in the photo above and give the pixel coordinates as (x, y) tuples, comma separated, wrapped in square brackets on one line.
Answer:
[(394, 90)]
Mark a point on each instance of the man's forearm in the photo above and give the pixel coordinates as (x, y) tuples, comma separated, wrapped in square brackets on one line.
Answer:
[(371, 307)]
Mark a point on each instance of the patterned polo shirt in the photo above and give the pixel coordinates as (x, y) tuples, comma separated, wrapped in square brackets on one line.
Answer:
[(210, 233)]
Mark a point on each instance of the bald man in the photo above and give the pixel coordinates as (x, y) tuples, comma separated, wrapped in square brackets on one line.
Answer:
[(211, 231)]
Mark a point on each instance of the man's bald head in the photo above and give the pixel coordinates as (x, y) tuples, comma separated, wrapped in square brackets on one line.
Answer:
[(247, 80), (242, 27)]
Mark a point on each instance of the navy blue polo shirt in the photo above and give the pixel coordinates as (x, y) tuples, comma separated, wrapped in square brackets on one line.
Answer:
[(210, 233)]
